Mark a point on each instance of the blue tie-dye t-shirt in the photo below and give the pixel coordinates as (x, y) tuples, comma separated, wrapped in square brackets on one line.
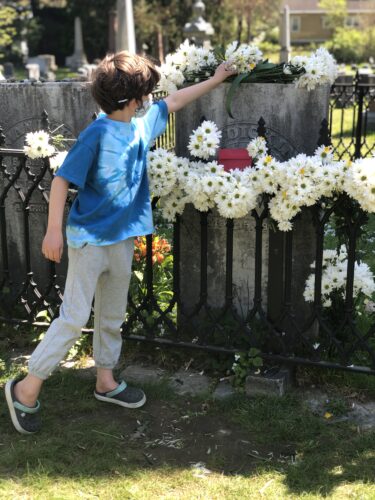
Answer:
[(108, 165)]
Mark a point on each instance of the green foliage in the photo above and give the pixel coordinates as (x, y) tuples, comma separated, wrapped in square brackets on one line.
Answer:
[(16, 24), (8, 15), (350, 45), (162, 283), (244, 363), (336, 12)]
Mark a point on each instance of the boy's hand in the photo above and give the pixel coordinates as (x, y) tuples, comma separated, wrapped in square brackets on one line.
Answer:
[(222, 72), (53, 244)]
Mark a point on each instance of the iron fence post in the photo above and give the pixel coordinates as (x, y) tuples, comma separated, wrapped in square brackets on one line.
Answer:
[(358, 132)]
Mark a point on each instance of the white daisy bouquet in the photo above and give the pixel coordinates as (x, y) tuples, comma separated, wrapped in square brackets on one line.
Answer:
[(319, 69), (38, 145), (190, 64), (41, 144), (242, 58), (205, 140), (334, 278)]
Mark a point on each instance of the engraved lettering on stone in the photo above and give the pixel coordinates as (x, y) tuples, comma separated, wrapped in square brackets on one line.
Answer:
[(240, 134)]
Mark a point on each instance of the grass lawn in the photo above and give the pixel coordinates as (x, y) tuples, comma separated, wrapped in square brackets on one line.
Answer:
[(183, 447)]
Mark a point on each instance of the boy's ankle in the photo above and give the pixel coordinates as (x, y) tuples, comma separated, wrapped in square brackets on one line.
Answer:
[(23, 396), (106, 386)]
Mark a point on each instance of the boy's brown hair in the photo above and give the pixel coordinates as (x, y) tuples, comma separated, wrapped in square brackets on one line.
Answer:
[(123, 76)]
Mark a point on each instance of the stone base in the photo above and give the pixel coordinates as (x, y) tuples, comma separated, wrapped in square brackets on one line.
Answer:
[(223, 390), (136, 374), (189, 383), (271, 384)]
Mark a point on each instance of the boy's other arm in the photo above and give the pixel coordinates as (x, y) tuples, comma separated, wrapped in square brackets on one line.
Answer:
[(52, 246), (182, 97)]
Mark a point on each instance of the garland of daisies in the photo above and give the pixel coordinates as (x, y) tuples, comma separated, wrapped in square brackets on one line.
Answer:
[(290, 185)]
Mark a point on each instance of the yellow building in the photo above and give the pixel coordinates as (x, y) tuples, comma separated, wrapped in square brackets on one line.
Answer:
[(308, 22)]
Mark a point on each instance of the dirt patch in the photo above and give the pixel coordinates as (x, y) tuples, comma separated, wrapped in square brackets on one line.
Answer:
[(185, 434)]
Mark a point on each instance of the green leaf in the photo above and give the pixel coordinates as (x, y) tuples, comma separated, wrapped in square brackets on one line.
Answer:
[(139, 275), (253, 351), (257, 362), (42, 314), (233, 89)]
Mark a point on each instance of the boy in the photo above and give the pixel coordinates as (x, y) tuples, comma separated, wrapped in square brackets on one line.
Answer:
[(107, 164)]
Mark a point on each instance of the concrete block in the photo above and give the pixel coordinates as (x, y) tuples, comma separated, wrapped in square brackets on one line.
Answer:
[(269, 384), (186, 382), (142, 374), (223, 390)]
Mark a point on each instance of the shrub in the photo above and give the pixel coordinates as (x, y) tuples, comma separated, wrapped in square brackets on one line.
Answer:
[(351, 45)]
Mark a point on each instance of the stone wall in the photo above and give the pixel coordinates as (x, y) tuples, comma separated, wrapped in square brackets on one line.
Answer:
[(67, 103), (70, 107)]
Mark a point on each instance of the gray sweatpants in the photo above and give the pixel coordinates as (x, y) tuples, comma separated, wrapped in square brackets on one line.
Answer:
[(103, 271)]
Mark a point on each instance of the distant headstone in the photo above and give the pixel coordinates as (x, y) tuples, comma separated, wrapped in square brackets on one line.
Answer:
[(125, 38), (2, 77), (285, 36), (46, 63), (112, 30), (33, 71), (78, 58), (86, 70), (8, 70), (24, 48)]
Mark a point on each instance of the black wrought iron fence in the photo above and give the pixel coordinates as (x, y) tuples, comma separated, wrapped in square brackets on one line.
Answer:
[(352, 118), (159, 310)]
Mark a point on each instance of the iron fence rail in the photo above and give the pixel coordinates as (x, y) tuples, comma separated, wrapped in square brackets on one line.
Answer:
[(153, 318), (282, 336), (352, 118)]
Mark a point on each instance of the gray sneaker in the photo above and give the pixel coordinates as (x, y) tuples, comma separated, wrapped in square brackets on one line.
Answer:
[(123, 395), (26, 420)]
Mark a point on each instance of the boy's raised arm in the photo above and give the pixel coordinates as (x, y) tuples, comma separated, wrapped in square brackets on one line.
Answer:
[(182, 97), (52, 246)]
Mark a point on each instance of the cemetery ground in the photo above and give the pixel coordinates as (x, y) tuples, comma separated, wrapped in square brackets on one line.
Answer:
[(302, 445), (187, 447)]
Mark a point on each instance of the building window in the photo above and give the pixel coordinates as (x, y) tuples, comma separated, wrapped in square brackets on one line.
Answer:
[(352, 22), (325, 23), (295, 24)]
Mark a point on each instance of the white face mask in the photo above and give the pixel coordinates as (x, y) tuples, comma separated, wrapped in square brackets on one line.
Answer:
[(142, 110)]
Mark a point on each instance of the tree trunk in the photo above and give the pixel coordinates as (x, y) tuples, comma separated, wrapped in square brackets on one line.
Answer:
[(35, 6), (160, 45), (248, 31), (239, 28)]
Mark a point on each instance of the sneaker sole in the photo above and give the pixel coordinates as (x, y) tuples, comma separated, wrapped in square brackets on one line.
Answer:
[(138, 404), (13, 416)]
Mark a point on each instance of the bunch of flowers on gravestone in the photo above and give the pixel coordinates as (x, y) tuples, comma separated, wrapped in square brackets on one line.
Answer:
[(41, 144), (334, 278), (319, 68), (191, 64), (242, 58)]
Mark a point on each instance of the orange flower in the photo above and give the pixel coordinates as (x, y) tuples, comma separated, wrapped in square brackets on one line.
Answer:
[(160, 247)]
